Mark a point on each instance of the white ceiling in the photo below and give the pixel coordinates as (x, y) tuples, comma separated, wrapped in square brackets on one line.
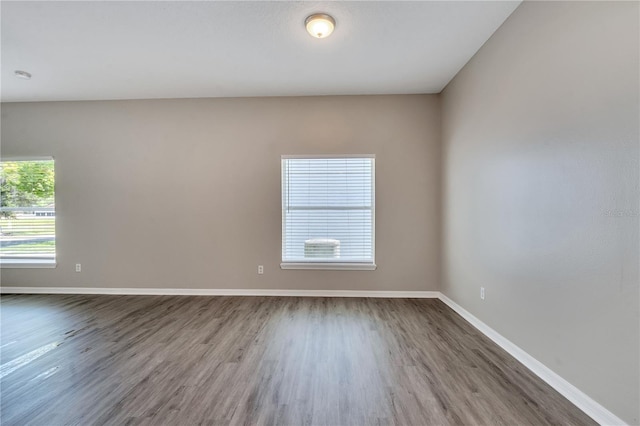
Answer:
[(85, 50)]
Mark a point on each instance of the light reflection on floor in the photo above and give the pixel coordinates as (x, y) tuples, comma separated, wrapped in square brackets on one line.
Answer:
[(21, 361), (49, 372)]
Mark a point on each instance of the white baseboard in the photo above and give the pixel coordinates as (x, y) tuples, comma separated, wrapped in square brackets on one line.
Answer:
[(581, 400), (220, 292)]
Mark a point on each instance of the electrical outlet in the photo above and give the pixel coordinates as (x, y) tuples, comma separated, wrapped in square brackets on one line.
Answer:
[(78, 267), (482, 293), (260, 269)]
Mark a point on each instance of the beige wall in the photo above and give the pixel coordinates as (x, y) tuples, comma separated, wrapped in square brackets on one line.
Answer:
[(540, 144), (186, 193)]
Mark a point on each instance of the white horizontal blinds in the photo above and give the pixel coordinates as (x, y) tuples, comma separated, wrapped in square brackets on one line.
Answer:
[(27, 210), (327, 210)]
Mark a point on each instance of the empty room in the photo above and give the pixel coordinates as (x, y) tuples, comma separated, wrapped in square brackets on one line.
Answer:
[(320, 213)]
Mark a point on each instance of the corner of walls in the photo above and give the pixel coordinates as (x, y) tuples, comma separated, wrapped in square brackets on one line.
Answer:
[(440, 192), (539, 147)]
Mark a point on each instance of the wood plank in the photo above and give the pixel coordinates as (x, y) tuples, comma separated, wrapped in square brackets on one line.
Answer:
[(260, 360)]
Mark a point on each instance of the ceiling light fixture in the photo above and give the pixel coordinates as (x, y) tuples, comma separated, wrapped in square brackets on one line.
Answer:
[(320, 25), (22, 74)]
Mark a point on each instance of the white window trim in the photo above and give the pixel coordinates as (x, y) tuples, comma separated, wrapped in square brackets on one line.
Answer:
[(333, 265), (27, 158), (28, 263)]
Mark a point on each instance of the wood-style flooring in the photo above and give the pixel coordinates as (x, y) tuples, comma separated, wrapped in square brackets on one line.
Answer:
[(174, 360)]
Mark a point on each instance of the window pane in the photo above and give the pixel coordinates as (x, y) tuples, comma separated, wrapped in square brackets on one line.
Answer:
[(327, 210), (27, 210)]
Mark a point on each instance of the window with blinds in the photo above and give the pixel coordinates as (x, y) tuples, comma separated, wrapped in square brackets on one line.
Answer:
[(328, 212), (27, 212)]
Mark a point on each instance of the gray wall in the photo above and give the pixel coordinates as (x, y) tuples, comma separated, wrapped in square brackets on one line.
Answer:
[(186, 193), (540, 148)]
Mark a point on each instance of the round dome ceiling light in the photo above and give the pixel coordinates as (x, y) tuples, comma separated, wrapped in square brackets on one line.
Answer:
[(22, 75), (320, 25)]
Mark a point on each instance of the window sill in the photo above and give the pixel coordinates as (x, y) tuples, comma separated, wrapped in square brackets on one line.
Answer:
[(27, 264), (330, 266)]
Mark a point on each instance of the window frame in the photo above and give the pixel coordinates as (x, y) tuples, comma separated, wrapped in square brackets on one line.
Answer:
[(330, 264), (28, 263)]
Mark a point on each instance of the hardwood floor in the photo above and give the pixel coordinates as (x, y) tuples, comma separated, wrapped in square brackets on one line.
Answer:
[(69, 359)]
